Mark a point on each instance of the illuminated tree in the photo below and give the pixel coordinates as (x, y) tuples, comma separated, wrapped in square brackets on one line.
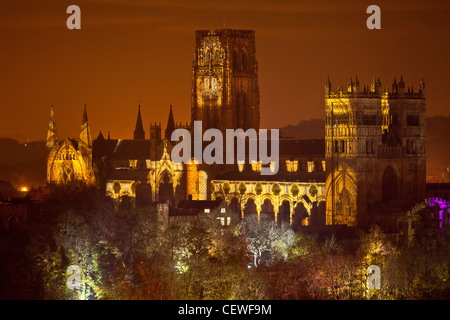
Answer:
[(209, 260), (339, 270), (304, 246), (297, 277), (268, 236), (375, 249)]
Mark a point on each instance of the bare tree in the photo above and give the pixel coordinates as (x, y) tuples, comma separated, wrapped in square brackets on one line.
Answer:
[(268, 236)]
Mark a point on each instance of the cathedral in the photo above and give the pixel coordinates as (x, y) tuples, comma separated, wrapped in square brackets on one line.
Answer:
[(371, 162)]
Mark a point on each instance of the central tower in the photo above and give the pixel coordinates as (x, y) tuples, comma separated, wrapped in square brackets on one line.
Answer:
[(225, 92)]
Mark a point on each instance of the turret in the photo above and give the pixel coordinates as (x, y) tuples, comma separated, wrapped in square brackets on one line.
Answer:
[(375, 86), (155, 131), (395, 86), (401, 87), (350, 86)]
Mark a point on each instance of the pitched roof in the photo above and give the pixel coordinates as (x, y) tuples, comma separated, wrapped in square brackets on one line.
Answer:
[(100, 136)]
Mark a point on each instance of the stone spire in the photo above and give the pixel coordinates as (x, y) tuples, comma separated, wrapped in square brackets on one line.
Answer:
[(170, 125), (85, 132), (139, 133), (52, 138)]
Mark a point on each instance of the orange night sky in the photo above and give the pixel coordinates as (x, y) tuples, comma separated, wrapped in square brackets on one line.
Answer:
[(129, 51)]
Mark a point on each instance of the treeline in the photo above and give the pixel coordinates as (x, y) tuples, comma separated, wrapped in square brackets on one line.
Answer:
[(124, 254)]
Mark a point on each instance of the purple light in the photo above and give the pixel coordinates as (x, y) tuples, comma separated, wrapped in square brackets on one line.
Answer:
[(443, 205)]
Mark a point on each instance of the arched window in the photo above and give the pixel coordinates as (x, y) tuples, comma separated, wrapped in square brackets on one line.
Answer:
[(389, 185), (166, 187), (236, 62), (339, 207), (344, 203), (267, 211), (250, 207), (245, 64)]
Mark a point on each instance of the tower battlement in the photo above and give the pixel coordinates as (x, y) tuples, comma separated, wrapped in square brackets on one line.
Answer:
[(227, 33), (375, 90)]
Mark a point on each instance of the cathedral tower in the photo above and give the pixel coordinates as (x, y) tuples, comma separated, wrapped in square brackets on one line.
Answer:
[(225, 92), (375, 151)]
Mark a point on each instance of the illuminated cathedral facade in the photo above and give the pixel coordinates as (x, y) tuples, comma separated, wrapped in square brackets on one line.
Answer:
[(69, 160), (371, 162), (375, 149)]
